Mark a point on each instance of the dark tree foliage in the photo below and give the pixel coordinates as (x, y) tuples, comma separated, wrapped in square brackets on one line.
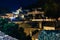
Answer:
[(9, 28), (22, 34), (13, 30), (50, 7), (28, 37), (2, 22)]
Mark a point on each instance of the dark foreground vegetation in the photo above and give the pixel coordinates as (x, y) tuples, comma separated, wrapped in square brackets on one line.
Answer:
[(13, 30)]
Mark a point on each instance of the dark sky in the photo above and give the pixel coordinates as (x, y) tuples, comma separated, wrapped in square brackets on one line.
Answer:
[(15, 4)]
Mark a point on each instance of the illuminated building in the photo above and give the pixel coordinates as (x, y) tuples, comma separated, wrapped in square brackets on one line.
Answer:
[(41, 19)]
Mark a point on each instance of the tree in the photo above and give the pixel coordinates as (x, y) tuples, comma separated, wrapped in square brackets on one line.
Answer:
[(50, 8), (2, 22), (10, 28)]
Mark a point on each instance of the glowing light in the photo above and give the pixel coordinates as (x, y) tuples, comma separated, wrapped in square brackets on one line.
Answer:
[(49, 28), (12, 18), (36, 39), (17, 11), (22, 16), (59, 18), (16, 16)]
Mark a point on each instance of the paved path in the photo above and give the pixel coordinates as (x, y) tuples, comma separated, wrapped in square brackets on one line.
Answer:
[(6, 37)]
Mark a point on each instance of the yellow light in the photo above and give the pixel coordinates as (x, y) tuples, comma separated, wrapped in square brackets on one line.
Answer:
[(36, 39), (59, 18), (22, 16), (49, 28)]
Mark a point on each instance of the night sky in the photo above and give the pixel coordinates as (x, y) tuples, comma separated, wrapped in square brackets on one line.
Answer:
[(15, 4)]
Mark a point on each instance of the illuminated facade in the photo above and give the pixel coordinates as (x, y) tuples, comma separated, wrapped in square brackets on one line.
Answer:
[(41, 19)]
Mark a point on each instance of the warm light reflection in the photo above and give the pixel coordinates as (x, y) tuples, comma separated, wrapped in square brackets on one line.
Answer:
[(59, 18), (49, 28)]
